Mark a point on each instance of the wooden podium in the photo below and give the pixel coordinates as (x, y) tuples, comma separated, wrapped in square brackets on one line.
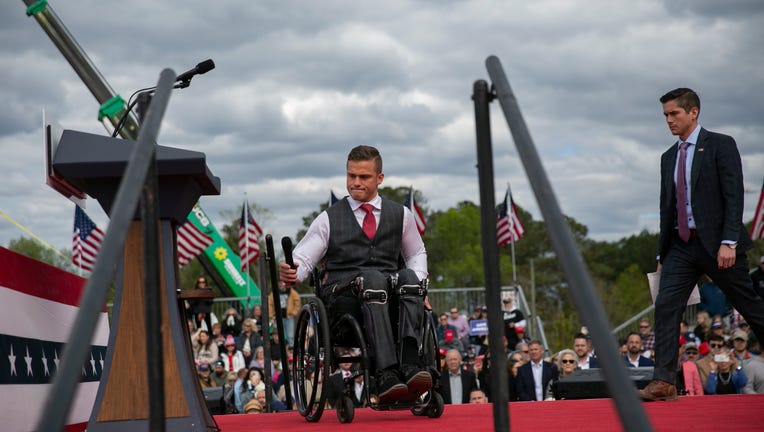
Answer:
[(94, 164)]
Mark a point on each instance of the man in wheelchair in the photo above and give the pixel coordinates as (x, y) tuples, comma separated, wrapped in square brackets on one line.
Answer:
[(370, 236)]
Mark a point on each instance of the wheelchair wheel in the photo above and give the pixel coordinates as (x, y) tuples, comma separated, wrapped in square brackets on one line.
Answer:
[(435, 408), (311, 360), (345, 410)]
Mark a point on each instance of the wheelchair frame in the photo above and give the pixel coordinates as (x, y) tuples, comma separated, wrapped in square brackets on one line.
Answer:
[(314, 359)]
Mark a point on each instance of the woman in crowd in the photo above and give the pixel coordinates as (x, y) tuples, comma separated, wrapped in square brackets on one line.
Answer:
[(233, 359), (566, 364), (205, 351), (726, 376), (249, 340)]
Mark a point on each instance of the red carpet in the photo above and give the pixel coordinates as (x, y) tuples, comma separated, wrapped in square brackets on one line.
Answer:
[(704, 413)]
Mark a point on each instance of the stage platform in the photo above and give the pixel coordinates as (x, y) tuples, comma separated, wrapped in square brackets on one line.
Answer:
[(699, 413)]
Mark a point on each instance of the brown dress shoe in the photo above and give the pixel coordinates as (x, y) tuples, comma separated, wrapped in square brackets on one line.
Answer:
[(658, 391)]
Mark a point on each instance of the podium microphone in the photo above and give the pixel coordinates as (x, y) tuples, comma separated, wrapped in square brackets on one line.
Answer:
[(201, 68)]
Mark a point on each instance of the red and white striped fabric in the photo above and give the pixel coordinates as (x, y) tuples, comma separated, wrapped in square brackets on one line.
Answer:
[(421, 225), (508, 225), (39, 304), (757, 227), (249, 233), (191, 242), (86, 240)]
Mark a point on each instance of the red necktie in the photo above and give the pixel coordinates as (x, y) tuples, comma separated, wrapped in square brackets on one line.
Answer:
[(681, 194), (369, 221)]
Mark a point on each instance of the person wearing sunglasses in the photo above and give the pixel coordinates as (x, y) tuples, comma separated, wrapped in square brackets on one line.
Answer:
[(567, 363), (687, 378), (715, 344)]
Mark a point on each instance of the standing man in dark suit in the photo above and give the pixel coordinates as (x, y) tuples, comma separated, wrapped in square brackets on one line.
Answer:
[(533, 377), (456, 383), (701, 232)]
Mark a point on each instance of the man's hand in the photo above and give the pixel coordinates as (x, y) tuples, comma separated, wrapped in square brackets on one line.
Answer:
[(288, 275), (725, 258)]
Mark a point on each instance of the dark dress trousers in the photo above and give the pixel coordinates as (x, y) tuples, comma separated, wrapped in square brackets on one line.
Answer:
[(716, 197)]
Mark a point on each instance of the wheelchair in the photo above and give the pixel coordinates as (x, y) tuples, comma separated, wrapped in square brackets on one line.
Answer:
[(317, 341)]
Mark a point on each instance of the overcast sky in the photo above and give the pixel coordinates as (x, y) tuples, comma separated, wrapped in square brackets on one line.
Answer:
[(297, 84)]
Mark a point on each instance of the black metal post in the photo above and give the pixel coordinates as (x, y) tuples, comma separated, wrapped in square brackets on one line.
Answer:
[(273, 266), (499, 379), (152, 286), (265, 311), (633, 417)]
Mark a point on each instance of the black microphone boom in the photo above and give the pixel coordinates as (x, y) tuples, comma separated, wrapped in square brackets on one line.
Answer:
[(200, 68)]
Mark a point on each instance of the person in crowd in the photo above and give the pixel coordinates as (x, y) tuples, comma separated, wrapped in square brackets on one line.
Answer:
[(512, 317), (337, 380), (754, 370), (726, 376), (702, 325), (205, 351), (567, 363), (451, 342), (757, 277), (740, 346), (276, 404), (253, 406), (688, 378), (233, 359), (583, 356), (252, 385), (231, 323), (205, 380), (256, 313), (647, 336), (717, 329), (634, 357), (478, 397), (238, 386), (521, 335), (249, 340), (701, 232), (290, 304), (459, 322), (442, 327), (201, 309), (229, 394), (366, 235), (712, 299), (534, 376), (715, 345), (217, 337), (522, 348), (456, 383), (479, 341), (514, 361), (689, 336), (219, 374)]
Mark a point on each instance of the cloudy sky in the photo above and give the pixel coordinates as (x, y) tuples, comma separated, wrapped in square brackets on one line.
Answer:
[(298, 83)]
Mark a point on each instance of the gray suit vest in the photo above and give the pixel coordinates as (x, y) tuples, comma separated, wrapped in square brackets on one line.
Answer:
[(350, 250)]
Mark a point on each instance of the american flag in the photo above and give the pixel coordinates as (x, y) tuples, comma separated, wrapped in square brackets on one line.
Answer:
[(421, 225), (508, 225), (191, 242), (249, 232), (86, 240), (757, 228)]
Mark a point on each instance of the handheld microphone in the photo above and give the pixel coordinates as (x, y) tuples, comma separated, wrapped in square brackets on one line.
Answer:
[(200, 69), (286, 245)]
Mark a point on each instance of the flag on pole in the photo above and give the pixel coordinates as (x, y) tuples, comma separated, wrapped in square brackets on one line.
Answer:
[(86, 240), (332, 198), (249, 232), (421, 225), (757, 227), (191, 242), (508, 225)]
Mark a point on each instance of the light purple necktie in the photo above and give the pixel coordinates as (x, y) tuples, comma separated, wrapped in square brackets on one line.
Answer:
[(681, 194)]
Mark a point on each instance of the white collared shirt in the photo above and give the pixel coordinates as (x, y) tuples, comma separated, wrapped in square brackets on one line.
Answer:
[(538, 373), (312, 248)]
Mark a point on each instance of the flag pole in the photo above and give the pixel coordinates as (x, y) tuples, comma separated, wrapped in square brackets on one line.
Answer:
[(510, 212)]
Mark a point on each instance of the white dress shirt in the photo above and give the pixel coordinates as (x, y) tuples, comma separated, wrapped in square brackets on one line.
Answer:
[(312, 248), (692, 140)]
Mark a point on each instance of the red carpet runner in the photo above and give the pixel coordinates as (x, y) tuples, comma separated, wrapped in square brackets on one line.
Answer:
[(704, 413)]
